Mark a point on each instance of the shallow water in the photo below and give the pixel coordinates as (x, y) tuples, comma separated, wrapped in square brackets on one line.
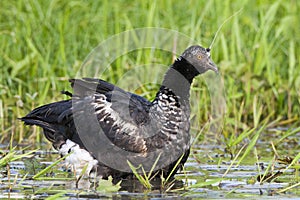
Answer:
[(205, 164)]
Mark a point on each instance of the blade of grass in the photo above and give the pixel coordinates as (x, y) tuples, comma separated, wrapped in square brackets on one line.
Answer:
[(173, 170), (296, 159), (152, 168), (233, 161), (206, 183), (44, 171), (59, 195), (287, 134), (249, 147), (288, 188), (141, 179)]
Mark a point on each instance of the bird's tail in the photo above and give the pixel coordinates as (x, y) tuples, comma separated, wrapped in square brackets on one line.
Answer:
[(53, 118)]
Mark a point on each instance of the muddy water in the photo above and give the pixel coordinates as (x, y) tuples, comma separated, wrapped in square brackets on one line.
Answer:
[(206, 163)]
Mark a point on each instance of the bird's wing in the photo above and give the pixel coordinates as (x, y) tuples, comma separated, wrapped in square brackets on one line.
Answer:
[(128, 106), (120, 114)]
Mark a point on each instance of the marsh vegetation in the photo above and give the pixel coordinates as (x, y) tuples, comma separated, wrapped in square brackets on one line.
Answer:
[(256, 152)]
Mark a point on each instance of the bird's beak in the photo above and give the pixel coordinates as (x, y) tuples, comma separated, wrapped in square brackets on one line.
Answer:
[(212, 66)]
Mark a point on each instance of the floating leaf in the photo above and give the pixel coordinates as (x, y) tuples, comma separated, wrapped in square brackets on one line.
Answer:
[(108, 186)]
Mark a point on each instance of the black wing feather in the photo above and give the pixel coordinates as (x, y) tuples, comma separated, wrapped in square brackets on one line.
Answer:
[(122, 101)]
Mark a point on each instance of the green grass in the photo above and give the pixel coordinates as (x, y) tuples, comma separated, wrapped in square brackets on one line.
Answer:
[(44, 43)]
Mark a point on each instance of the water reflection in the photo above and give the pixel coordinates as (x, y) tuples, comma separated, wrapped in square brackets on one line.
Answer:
[(205, 164)]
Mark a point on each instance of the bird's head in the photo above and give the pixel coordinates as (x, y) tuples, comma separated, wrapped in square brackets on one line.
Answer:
[(199, 57)]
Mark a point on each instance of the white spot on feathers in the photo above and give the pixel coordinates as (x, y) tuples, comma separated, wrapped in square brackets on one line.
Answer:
[(78, 158)]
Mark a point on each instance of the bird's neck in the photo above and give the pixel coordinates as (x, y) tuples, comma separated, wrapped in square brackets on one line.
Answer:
[(179, 78)]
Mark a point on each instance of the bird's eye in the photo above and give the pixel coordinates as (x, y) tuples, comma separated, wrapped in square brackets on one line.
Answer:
[(199, 57)]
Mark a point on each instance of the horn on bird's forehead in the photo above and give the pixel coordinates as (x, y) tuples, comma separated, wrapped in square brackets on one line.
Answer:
[(226, 20)]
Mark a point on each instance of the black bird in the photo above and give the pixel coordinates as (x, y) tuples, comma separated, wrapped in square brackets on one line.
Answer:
[(103, 126)]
